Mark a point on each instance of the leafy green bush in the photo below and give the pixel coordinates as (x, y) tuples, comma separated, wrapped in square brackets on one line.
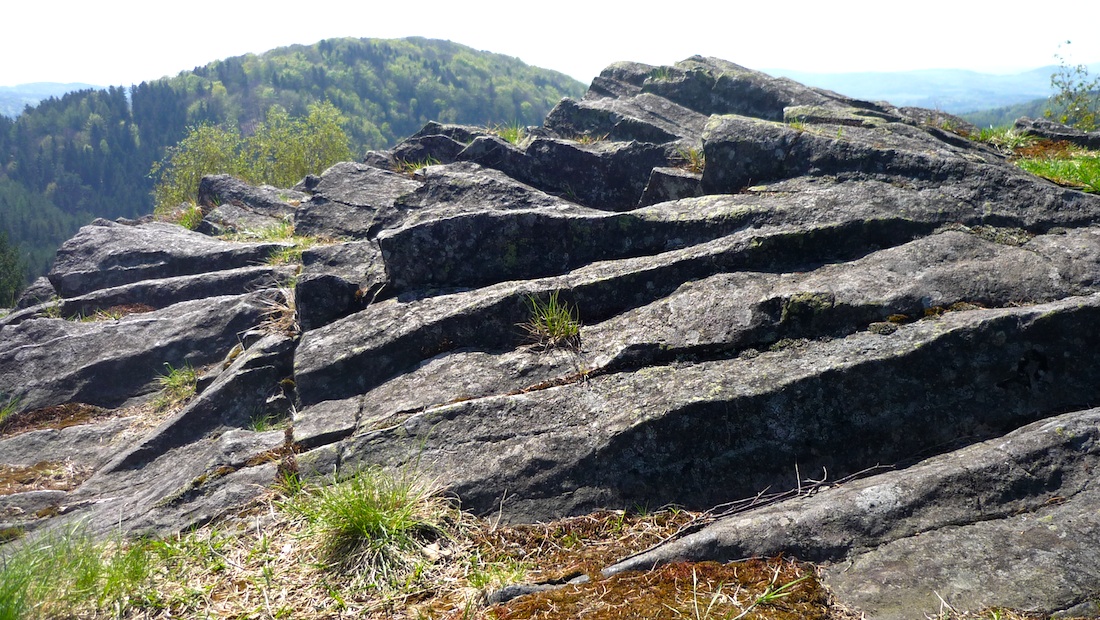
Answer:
[(280, 152), (1076, 99)]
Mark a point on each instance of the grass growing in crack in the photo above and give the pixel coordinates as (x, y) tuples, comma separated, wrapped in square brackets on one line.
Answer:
[(1004, 138), (8, 409), (513, 133), (374, 523), (692, 159), (177, 386), (261, 423), (281, 315), (409, 168), (552, 323)]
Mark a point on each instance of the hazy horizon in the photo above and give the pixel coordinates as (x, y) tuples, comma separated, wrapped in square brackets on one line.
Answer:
[(124, 42)]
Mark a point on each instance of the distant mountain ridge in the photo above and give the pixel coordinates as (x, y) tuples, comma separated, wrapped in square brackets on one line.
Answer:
[(87, 153), (14, 99), (950, 90)]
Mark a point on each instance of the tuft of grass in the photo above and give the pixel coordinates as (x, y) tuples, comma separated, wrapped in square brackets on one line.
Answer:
[(261, 423), (692, 159), (177, 386), (512, 132), (409, 168), (191, 217), (8, 409), (552, 323), (1004, 138), (281, 315), (1080, 170), (65, 574), (374, 523), (590, 138)]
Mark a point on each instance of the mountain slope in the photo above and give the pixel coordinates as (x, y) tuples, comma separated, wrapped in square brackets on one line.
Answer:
[(89, 152), (950, 90), (13, 99)]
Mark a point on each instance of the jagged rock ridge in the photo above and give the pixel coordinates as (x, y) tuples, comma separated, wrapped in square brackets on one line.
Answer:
[(843, 285)]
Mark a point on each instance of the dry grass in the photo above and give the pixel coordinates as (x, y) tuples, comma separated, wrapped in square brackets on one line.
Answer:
[(56, 417), (42, 476)]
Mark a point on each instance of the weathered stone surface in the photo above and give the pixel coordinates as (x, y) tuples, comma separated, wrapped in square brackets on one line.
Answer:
[(1033, 540), (54, 361), (1050, 130), (183, 488), (85, 445), (348, 199), (248, 390), (857, 285), (644, 118), (222, 189), (104, 254), (40, 291), (698, 434), (666, 184), (715, 86), (337, 280)]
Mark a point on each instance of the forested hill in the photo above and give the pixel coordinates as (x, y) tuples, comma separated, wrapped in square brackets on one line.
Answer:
[(88, 154)]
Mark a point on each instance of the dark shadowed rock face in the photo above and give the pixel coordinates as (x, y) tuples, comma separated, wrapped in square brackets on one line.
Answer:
[(835, 288)]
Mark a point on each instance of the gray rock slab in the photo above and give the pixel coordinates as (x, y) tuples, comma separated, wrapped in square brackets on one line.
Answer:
[(105, 363), (1009, 522), (697, 434), (105, 254), (348, 199)]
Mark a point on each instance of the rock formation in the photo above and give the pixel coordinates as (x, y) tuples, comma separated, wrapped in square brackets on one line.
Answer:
[(882, 331)]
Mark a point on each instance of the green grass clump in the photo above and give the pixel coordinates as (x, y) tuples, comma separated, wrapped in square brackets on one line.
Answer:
[(62, 574), (375, 523), (1004, 138), (8, 408), (409, 168), (513, 132), (1080, 170), (553, 323), (176, 387), (694, 160)]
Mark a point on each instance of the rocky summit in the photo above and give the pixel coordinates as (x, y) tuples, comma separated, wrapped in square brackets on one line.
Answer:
[(881, 333)]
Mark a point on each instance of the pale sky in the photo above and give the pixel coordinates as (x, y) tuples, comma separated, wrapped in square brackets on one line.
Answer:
[(123, 42)]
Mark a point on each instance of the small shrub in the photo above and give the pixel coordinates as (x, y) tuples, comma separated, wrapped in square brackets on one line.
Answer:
[(280, 152), (553, 323), (1076, 98)]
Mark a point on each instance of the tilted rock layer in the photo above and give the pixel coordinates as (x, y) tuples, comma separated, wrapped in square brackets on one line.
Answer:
[(779, 288)]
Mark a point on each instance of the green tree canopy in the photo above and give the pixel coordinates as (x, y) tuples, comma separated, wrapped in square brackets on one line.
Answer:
[(11, 272)]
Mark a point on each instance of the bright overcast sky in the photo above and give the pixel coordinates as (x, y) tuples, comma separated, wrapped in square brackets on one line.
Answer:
[(123, 42)]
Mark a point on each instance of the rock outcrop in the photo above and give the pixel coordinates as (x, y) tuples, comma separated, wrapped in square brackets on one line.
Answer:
[(778, 288)]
